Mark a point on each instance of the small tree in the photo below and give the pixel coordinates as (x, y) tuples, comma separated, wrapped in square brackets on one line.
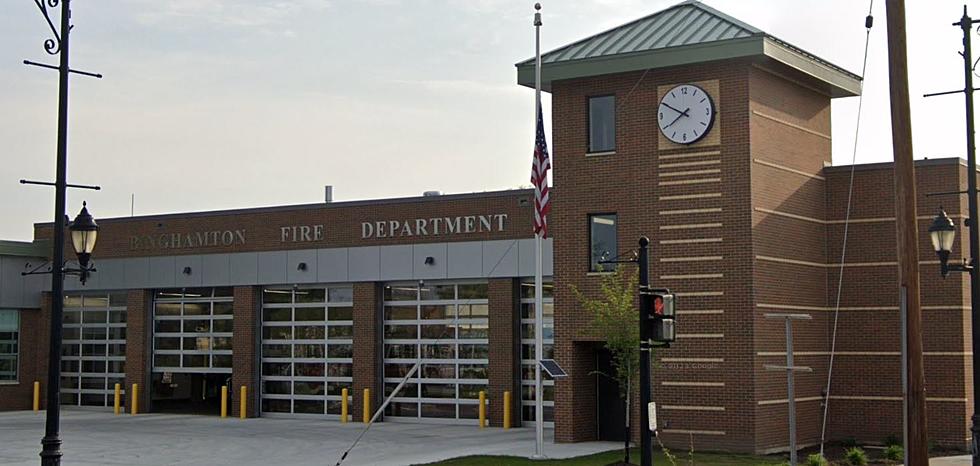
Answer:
[(616, 320)]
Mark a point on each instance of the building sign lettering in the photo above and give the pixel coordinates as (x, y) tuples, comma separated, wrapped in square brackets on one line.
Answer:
[(434, 226), (196, 239), (300, 233)]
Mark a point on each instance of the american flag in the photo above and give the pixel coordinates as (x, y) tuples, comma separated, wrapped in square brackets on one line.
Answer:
[(539, 178)]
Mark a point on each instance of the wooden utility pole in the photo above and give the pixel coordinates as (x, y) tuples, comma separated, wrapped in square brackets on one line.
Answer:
[(907, 234)]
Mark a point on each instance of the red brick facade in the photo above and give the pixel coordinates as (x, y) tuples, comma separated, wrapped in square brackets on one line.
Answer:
[(139, 344), (245, 350), (367, 357), (504, 359), (32, 362)]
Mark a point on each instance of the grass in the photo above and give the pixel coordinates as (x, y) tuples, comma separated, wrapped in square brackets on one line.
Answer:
[(601, 459)]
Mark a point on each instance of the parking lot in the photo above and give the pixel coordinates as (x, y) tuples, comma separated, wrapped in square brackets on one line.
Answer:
[(97, 438)]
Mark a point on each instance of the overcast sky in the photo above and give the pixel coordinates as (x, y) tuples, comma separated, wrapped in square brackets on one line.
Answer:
[(243, 103)]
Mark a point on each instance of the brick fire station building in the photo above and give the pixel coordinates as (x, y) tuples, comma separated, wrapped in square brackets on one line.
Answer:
[(705, 134)]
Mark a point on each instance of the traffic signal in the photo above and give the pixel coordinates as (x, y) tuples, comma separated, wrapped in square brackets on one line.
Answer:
[(662, 317)]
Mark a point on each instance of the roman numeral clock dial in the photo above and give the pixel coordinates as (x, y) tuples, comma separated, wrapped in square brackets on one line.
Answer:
[(686, 114)]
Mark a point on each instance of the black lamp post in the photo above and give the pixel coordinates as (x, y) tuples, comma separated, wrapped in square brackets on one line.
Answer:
[(84, 231)]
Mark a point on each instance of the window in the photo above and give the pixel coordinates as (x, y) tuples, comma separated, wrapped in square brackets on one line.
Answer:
[(602, 241), (9, 333), (602, 123)]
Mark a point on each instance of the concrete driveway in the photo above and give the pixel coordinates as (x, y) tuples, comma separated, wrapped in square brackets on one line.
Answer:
[(99, 438)]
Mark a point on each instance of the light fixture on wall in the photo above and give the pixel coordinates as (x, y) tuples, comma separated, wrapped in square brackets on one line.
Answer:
[(187, 271), (301, 267), (429, 260)]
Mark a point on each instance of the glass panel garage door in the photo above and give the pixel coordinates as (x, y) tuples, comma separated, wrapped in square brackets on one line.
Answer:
[(192, 330), (307, 346), (93, 348), (444, 324), (527, 351)]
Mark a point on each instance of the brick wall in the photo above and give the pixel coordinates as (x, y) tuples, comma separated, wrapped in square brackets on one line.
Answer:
[(139, 334), (504, 359), (32, 362), (342, 224), (366, 360), (245, 349)]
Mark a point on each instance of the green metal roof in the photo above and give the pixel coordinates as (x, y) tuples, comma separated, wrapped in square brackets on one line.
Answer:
[(686, 33), (25, 249)]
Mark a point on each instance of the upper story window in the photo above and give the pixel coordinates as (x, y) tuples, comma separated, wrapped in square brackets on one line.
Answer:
[(9, 336), (602, 123), (602, 241)]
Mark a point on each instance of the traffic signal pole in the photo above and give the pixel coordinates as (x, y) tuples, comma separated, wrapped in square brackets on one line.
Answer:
[(646, 436)]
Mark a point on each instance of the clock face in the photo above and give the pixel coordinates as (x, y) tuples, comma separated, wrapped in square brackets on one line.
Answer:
[(686, 114)]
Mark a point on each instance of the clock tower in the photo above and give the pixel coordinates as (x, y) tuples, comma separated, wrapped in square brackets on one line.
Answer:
[(709, 136)]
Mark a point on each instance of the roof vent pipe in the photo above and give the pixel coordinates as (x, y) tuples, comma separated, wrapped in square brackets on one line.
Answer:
[(328, 194), (431, 193)]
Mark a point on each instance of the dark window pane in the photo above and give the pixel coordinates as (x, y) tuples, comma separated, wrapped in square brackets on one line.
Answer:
[(308, 388), (438, 410), (310, 295), (273, 296), (473, 291), (276, 351), (602, 123), (275, 406), (602, 241), (310, 314), (223, 309), (435, 292), (403, 410), (277, 315), (340, 313), (308, 406), (309, 351), (401, 293), (275, 387), (223, 325), (340, 351), (400, 312)]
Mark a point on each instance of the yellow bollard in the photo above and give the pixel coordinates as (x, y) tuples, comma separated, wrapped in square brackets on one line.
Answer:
[(242, 402), (483, 409), (343, 406), (506, 410), (37, 396), (224, 401), (116, 400), (366, 418), (134, 405)]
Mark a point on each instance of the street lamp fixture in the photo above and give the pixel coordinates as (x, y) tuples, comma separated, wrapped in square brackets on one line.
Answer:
[(942, 232), (84, 232)]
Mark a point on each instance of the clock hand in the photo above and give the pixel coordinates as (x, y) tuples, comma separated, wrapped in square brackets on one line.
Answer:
[(682, 114), (672, 108)]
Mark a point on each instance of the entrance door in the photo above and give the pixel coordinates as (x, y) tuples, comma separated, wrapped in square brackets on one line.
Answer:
[(610, 408)]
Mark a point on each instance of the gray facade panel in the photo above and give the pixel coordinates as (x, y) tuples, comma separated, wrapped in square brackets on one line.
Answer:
[(189, 273), (11, 282), (331, 265), (34, 285), (137, 272), (464, 260), (272, 267), (396, 262), (500, 258), (439, 266), (162, 273), (244, 268), (301, 266), (112, 274), (216, 270), (364, 264)]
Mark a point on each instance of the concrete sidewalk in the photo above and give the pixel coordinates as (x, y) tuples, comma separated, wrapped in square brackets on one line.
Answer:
[(964, 460), (99, 438)]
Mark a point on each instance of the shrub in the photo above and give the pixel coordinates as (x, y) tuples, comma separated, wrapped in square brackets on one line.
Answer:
[(849, 442), (895, 453), (816, 459), (856, 457), (892, 440)]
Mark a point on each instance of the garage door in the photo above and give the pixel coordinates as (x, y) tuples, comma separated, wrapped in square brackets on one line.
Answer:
[(444, 324)]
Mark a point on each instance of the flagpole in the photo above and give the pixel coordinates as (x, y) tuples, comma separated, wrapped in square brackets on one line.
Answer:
[(538, 288)]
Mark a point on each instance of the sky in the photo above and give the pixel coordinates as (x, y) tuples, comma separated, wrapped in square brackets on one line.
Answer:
[(225, 104)]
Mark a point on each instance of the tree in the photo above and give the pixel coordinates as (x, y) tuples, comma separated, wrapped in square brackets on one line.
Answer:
[(616, 320)]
